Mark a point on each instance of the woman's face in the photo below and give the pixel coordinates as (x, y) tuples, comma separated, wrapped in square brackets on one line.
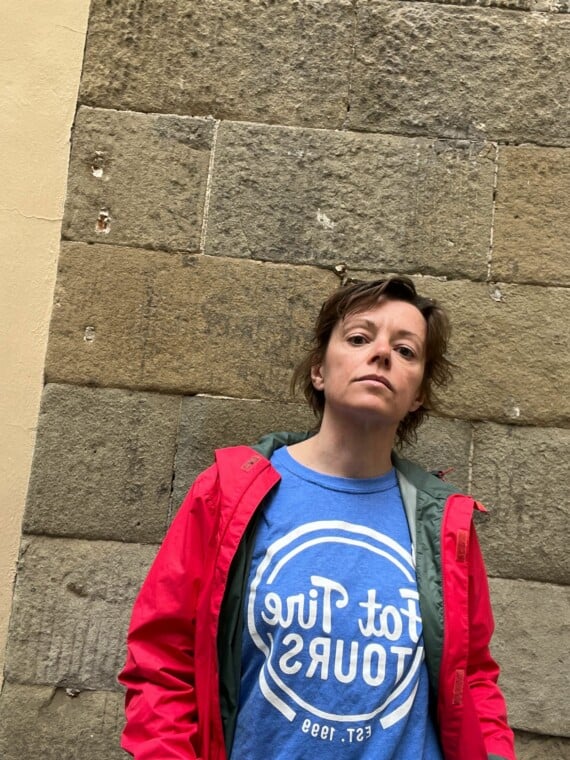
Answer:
[(374, 365)]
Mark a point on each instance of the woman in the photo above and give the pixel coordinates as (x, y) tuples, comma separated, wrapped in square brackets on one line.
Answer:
[(317, 595)]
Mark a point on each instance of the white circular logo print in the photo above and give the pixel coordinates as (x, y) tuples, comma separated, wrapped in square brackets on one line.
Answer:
[(349, 625)]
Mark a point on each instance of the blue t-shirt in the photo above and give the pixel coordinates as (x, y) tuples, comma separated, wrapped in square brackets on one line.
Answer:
[(333, 658)]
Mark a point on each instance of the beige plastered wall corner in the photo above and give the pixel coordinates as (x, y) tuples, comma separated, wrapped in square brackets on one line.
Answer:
[(41, 53)]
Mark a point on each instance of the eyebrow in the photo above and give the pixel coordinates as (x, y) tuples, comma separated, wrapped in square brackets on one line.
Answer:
[(372, 326), (407, 334)]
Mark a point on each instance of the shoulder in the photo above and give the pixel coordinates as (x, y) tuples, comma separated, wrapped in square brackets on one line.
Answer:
[(233, 467), (421, 480)]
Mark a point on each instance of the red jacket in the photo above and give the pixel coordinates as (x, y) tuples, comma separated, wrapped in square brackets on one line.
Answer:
[(172, 677)]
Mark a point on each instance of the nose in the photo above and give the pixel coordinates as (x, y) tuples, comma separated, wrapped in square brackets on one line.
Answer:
[(380, 353)]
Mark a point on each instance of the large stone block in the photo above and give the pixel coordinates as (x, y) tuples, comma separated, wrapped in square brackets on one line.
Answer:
[(531, 645), (137, 179), (532, 222), (376, 202), (536, 747), (71, 609), (284, 62), (539, 6), (194, 324), (49, 723), (460, 72), (443, 446), (210, 423), (510, 345), (201, 324), (103, 464), (521, 474)]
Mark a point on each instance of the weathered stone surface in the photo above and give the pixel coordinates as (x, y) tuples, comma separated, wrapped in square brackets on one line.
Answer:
[(285, 62), (38, 721), (536, 747), (422, 68), (510, 345), (193, 324), (531, 645), (71, 609), (376, 202), (103, 464), (521, 474), (538, 6), (443, 445), (201, 324), (210, 423), (532, 221), (137, 179)]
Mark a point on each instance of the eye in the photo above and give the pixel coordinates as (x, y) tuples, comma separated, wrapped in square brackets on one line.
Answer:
[(357, 340), (406, 352)]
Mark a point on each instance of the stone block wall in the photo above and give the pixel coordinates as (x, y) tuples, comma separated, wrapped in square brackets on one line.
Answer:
[(225, 156)]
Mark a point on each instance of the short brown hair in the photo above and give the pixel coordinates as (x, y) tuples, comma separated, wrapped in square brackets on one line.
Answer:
[(358, 296)]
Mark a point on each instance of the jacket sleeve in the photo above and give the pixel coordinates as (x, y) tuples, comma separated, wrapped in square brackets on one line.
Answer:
[(482, 670), (159, 674)]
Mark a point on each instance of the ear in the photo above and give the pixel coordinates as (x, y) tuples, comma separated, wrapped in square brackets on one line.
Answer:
[(417, 403), (317, 377)]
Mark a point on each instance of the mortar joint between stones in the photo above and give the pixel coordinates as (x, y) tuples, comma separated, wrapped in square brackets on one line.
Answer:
[(208, 191), (493, 213)]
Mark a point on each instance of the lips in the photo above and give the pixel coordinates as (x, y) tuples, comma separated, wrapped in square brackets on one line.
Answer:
[(380, 379)]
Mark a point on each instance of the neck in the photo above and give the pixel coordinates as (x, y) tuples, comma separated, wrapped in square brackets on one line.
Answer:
[(347, 451)]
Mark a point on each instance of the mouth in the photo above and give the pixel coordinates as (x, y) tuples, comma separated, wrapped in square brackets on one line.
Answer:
[(378, 379)]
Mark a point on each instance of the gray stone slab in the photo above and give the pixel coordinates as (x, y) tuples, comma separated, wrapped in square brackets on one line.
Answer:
[(521, 474), (423, 68), (230, 327), (137, 179), (511, 347), (71, 609), (191, 324), (531, 645), (210, 423), (538, 6), (103, 464), (375, 202), (285, 62), (536, 747), (532, 220), (443, 446), (47, 723)]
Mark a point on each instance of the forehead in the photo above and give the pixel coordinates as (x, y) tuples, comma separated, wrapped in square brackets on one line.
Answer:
[(395, 314)]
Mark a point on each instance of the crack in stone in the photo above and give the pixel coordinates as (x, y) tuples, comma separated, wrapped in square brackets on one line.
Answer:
[(351, 63), (493, 213)]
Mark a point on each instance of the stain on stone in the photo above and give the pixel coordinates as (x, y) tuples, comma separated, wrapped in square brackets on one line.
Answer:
[(497, 295), (78, 589), (512, 408), (189, 260), (98, 164), (196, 133), (461, 148), (58, 697), (103, 223)]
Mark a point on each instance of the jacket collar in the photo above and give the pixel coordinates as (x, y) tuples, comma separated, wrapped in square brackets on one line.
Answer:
[(411, 477)]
